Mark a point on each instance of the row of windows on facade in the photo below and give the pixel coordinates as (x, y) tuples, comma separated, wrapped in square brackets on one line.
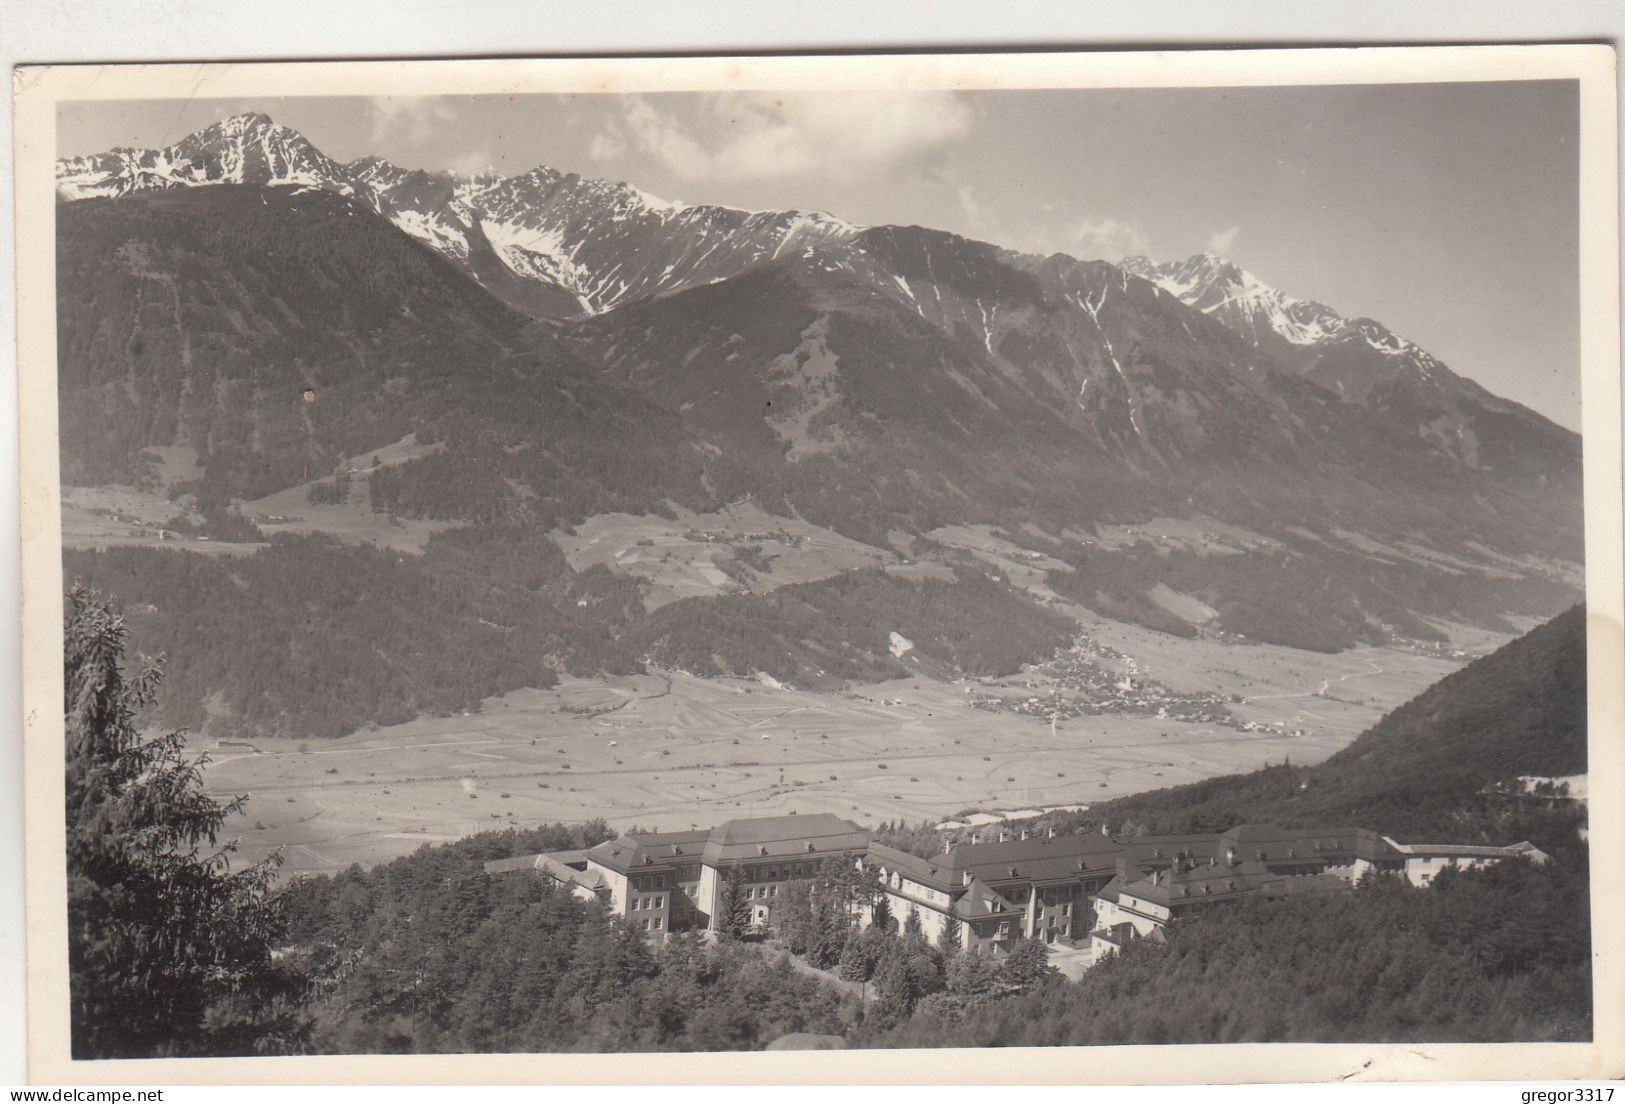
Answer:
[(647, 903), (692, 873)]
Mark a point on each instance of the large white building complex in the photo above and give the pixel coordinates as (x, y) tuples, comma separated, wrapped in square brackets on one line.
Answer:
[(988, 894)]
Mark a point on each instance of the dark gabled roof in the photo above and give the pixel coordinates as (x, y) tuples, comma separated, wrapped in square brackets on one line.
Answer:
[(1150, 851), (506, 866), (649, 851), (815, 834), (1309, 885), (1038, 858), (549, 865), (1200, 883), (930, 872), (981, 901), (1272, 843)]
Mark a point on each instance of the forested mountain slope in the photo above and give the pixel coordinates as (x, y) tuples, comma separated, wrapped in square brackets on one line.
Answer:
[(1426, 769)]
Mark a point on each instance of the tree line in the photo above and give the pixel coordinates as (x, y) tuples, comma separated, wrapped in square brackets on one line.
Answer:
[(312, 637)]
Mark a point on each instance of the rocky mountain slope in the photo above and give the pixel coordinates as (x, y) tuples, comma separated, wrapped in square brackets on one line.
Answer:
[(1366, 363), (549, 243), (576, 347), (276, 330)]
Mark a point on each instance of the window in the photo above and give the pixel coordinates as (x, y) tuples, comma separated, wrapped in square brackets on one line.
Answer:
[(646, 924), (657, 923)]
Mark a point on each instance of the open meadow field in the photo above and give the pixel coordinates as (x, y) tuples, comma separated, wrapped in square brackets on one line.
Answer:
[(741, 548), (669, 750)]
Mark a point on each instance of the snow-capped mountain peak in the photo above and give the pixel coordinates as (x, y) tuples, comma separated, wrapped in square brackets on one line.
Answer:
[(241, 149), (546, 241), (1240, 300)]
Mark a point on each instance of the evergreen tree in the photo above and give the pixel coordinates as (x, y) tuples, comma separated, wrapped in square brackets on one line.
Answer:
[(952, 939), (854, 963), (1027, 966), (733, 906), (794, 918), (881, 917), (831, 925), (913, 927), (169, 950), (895, 992), (972, 975)]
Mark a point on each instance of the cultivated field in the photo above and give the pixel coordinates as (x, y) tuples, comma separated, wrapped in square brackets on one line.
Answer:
[(352, 520), (669, 751), (118, 515), (680, 558)]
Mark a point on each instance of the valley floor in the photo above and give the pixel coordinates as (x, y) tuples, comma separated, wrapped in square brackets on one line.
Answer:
[(667, 750)]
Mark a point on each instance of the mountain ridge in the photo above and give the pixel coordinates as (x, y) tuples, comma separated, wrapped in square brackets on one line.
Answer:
[(1364, 362), (875, 380)]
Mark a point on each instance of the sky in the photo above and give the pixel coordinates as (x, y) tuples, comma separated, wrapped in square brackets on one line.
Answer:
[(1449, 212)]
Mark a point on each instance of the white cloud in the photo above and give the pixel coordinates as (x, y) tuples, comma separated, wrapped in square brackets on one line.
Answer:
[(471, 163), (1222, 240), (1086, 237), (976, 216), (414, 118), (1106, 239), (761, 135), (658, 134), (607, 144)]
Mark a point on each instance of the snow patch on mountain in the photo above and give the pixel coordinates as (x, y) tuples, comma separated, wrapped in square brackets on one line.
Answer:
[(438, 234)]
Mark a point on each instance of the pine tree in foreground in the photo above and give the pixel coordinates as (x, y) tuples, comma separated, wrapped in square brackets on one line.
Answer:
[(169, 950)]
